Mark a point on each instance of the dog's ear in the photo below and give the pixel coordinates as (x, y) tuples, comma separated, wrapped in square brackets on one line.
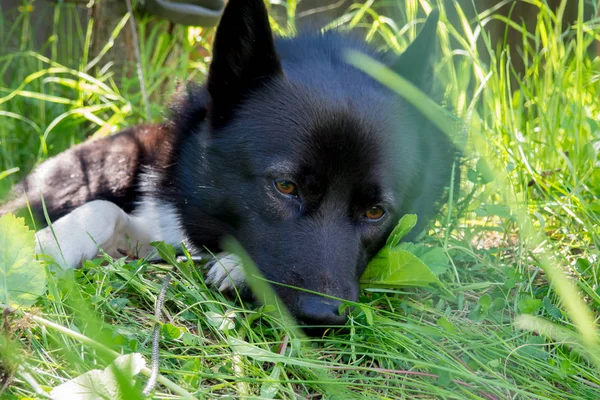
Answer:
[(415, 64), (244, 57)]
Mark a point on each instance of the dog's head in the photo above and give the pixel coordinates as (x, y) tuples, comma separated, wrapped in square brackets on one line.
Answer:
[(305, 160)]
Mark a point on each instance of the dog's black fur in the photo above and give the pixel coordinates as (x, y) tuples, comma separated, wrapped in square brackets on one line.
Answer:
[(293, 110)]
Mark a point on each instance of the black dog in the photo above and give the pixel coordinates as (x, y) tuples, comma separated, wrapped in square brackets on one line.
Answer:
[(305, 160)]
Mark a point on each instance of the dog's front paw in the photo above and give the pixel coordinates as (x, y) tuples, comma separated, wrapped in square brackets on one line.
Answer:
[(78, 235), (66, 255), (226, 273)]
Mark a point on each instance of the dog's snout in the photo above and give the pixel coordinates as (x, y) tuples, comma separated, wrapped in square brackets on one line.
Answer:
[(319, 311)]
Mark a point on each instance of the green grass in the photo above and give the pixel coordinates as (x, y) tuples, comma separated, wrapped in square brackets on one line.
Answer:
[(525, 226)]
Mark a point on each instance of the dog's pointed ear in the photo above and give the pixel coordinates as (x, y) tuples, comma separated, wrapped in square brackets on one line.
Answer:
[(244, 57), (415, 64)]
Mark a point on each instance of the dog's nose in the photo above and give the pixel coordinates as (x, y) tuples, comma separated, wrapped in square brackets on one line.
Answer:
[(317, 310)]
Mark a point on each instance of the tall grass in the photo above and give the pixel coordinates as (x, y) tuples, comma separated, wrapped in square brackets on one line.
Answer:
[(524, 227)]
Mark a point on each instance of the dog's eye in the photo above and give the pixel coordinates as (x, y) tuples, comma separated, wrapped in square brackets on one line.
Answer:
[(286, 187), (375, 213)]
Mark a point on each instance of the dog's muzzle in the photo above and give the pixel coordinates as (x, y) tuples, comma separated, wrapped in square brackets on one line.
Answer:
[(313, 310)]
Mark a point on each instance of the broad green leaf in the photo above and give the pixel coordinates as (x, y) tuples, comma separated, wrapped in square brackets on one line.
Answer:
[(433, 257), (529, 305), (567, 367), (223, 322), (478, 314), (103, 384), (498, 304), (189, 339), (482, 174), (472, 176), (119, 303), (171, 332), (166, 252), (485, 301), (446, 325), (368, 314), (582, 265), (397, 267), (551, 308), (444, 377), (486, 174), (406, 223), (400, 264), (22, 278)]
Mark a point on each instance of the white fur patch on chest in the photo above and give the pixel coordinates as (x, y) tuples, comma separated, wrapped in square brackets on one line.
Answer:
[(158, 220)]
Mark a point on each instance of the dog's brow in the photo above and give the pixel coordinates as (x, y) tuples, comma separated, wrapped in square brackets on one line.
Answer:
[(388, 198), (284, 167)]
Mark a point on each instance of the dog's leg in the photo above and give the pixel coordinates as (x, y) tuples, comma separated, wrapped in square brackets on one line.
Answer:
[(226, 273), (98, 224)]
